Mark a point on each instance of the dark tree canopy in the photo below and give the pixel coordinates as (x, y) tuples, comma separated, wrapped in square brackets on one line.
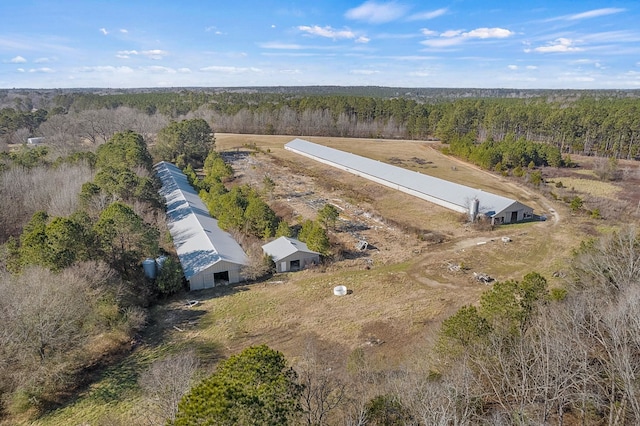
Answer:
[(328, 215), (254, 387), (124, 238), (185, 142), (315, 236), (125, 149)]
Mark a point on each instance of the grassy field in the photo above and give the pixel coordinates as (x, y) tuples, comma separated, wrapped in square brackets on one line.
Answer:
[(595, 188), (398, 302)]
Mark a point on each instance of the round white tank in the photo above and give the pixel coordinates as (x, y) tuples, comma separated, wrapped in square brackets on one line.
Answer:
[(340, 290), (149, 267)]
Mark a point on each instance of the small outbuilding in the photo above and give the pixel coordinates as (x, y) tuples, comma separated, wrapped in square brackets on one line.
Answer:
[(35, 141), (290, 254)]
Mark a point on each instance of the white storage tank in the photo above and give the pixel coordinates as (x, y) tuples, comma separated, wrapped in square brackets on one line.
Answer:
[(340, 290)]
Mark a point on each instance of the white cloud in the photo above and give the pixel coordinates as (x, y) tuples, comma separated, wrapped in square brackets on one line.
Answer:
[(214, 30), (622, 36), (107, 68), (411, 58), (364, 72), (376, 13), (428, 32), (43, 60), (489, 33), (124, 30), (184, 70), (273, 25), (159, 70), (154, 54), (21, 70), (295, 54), (104, 31), (419, 74), (558, 45), (454, 37), (594, 13), (596, 63), (230, 70), (126, 54), (363, 39), (442, 42), (283, 46), (327, 32), (428, 15), (451, 33), (17, 60), (151, 54), (291, 71), (41, 70), (514, 67)]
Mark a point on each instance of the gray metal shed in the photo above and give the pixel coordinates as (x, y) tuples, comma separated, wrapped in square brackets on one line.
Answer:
[(290, 254)]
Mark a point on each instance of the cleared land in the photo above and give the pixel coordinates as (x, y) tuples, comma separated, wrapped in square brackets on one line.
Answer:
[(401, 288)]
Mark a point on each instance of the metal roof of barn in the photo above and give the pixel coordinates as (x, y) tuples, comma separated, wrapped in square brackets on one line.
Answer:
[(460, 196), (199, 242), (284, 247)]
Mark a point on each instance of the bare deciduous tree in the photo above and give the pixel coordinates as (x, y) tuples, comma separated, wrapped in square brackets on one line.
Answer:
[(258, 265), (25, 191), (164, 384), (44, 323), (323, 391)]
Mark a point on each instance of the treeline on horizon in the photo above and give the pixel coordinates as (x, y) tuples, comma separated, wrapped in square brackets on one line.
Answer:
[(599, 123)]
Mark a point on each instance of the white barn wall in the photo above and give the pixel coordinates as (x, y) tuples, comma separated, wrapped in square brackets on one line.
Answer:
[(205, 279), (306, 259), (523, 213)]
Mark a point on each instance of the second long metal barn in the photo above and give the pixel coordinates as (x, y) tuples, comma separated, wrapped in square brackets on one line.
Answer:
[(447, 194)]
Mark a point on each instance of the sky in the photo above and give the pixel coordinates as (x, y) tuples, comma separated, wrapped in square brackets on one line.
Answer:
[(530, 44)]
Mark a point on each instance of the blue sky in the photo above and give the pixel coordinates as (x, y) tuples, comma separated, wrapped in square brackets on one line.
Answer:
[(458, 43)]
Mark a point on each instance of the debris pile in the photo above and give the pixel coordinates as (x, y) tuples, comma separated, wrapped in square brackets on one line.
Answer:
[(362, 245), (483, 278)]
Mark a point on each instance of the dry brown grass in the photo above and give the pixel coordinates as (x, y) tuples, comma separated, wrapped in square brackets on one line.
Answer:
[(591, 187), (409, 286)]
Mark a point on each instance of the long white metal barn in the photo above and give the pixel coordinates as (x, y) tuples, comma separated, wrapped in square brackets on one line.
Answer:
[(447, 194), (209, 256)]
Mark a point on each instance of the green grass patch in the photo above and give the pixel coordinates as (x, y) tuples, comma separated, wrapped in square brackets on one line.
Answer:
[(116, 394)]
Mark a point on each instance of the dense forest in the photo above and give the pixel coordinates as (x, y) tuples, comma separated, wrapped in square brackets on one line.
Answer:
[(74, 230), (595, 123)]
